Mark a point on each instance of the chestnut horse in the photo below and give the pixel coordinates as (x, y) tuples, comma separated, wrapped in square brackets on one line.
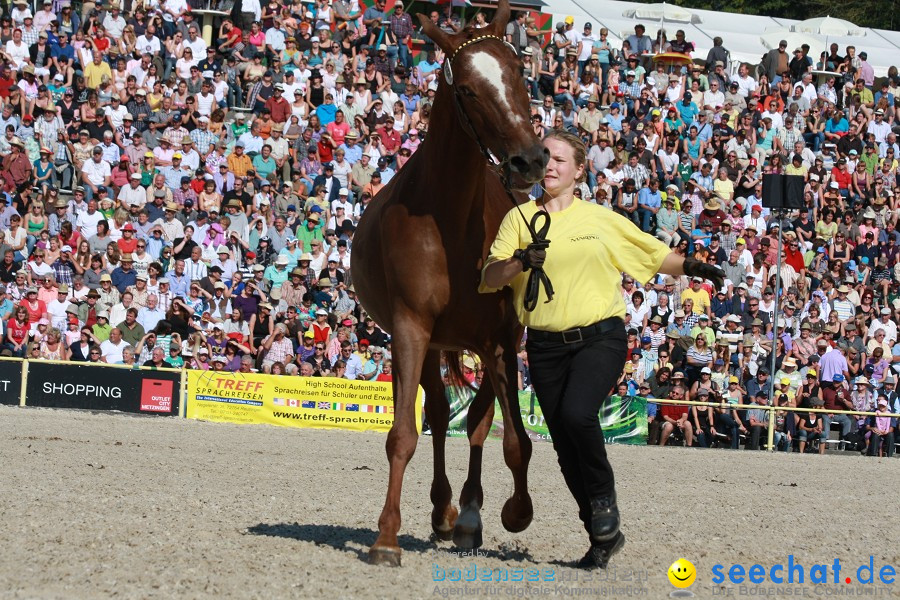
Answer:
[(417, 256)]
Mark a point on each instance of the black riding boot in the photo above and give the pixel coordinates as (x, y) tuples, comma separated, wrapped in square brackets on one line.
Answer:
[(604, 519), (599, 554)]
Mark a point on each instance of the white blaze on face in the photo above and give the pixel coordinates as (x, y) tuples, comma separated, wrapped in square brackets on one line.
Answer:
[(489, 69)]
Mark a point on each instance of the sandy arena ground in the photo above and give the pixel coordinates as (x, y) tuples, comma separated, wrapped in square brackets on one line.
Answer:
[(103, 505)]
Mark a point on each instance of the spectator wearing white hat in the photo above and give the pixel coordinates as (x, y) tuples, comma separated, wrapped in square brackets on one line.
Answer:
[(133, 193), (879, 127), (342, 201), (277, 273), (333, 271), (224, 261), (64, 268), (886, 324)]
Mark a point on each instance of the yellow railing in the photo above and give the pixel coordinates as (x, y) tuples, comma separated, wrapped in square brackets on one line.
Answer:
[(768, 407), (772, 410)]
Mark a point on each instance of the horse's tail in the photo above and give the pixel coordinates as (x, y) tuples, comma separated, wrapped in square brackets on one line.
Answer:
[(454, 370)]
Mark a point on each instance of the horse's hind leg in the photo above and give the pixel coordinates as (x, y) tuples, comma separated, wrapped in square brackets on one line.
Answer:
[(518, 510), (467, 533), (437, 411), (410, 345)]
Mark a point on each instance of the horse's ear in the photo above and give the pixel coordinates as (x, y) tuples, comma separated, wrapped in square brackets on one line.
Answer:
[(501, 18), (438, 35)]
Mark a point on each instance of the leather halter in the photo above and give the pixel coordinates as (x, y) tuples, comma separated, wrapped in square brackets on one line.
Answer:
[(537, 277), (501, 166)]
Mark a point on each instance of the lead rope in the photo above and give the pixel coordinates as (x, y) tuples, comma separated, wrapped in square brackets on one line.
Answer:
[(537, 277)]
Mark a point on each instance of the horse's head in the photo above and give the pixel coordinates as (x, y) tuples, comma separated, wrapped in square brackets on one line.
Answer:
[(485, 75)]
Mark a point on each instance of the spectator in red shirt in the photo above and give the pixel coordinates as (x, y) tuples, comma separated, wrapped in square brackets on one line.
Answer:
[(338, 128), (836, 396), (676, 416), (101, 42), (390, 137), (325, 147), (17, 329), (841, 176), (35, 308), (279, 108), (6, 81), (386, 371), (712, 215), (120, 174), (128, 241), (793, 255)]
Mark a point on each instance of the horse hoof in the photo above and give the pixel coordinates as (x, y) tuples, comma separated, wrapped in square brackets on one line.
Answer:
[(384, 556), (468, 539), (516, 516), (467, 532), (443, 525)]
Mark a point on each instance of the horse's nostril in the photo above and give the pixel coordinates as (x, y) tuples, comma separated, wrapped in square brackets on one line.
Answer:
[(519, 164)]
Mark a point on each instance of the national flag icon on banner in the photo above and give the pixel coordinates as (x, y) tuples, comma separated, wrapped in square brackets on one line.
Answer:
[(278, 401), (336, 406), (381, 409), (366, 408), (324, 406), (293, 402), (308, 404), (352, 408)]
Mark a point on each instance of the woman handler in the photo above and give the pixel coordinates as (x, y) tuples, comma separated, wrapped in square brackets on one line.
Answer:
[(576, 343)]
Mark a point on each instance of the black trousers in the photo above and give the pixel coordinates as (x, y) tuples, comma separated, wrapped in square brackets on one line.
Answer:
[(572, 381)]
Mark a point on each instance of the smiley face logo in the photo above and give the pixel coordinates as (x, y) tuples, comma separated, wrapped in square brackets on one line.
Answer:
[(682, 573)]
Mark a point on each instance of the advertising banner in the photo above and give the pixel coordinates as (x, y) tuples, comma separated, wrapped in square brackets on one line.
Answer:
[(624, 420), (305, 402), (10, 382), (74, 385)]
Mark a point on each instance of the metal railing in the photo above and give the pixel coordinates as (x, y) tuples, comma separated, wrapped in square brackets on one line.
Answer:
[(771, 411)]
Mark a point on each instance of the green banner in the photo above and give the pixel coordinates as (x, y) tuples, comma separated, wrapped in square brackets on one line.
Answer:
[(624, 420)]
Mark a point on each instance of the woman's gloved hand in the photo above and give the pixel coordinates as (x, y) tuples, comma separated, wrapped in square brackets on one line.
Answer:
[(695, 268)]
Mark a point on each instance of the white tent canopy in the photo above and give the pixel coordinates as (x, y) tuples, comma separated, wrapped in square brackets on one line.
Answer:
[(742, 34), (829, 26), (771, 39), (662, 11)]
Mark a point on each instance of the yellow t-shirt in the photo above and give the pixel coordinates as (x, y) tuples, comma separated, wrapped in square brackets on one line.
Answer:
[(700, 298), (724, 189), (94, 73), (590, 247), (675, 199)]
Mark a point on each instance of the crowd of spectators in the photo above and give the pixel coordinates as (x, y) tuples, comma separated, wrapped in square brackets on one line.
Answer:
[(682, 153), (171, 202)]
